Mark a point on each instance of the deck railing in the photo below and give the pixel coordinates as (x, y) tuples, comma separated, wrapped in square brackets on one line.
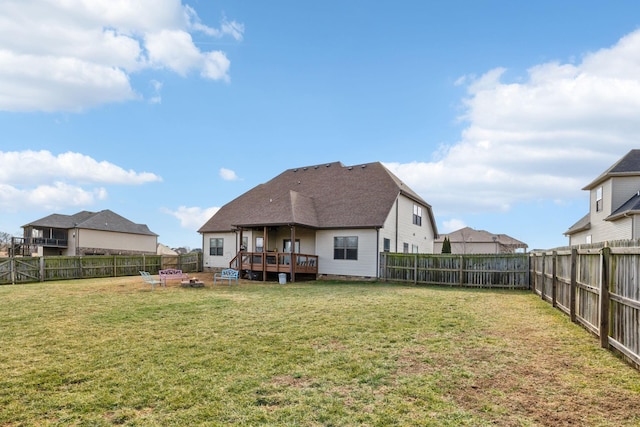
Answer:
[(276, 262)]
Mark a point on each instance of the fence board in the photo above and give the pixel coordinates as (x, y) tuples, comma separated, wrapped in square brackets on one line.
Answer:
[(601, 285), (34, 269), (486, 271)]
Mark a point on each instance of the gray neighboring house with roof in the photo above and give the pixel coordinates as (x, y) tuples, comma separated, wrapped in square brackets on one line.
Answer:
[(89, 233), (335, 219), (614, 205), (469, 241)]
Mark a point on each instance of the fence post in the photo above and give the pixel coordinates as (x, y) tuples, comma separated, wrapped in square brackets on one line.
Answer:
[(543, 275), (461, 268), (574, 285), (12, 268), (604, 297), (42, 269), (554, 278), (415, 269)]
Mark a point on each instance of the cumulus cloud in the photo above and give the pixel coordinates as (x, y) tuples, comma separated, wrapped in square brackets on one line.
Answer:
[(541, 137), (192, 217), (76, 54), (57, 181), (228, 174)]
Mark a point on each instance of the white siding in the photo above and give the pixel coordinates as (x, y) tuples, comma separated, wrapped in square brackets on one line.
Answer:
[(230, 249), (364, 266), (113, 241), (620, 229), (421, 236)]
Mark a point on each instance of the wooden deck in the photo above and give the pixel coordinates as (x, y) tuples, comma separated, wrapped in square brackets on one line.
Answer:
[(277, 262)]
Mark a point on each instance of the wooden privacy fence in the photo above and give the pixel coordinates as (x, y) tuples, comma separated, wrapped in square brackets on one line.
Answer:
[(485, 271), (598, 288), (40, 269)]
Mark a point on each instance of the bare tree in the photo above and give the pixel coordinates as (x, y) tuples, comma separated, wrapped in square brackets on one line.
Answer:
[(5, 239)]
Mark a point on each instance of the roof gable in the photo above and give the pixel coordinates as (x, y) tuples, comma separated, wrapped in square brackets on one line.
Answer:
[(629, 165), (322, 196)]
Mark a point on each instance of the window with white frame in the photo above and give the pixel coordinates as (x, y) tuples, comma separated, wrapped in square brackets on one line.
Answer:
[(386, 245), (417, 215), (259, 244), (216, 246), (345, 247), (598, 199)]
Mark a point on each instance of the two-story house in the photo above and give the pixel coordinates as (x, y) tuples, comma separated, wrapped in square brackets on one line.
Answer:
[(614, 205), (326, 220), (89, 233)]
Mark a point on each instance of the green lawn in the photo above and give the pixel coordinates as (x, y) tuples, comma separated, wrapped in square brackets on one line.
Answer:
[(112, 352)]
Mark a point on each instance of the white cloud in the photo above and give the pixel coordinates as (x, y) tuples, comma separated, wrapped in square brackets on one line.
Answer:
[(228, 174), (43, 166), (76, 54), (69, 172), (541, 138), (192, 217)]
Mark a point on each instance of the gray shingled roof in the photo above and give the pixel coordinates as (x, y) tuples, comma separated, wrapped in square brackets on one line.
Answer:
[(468, 234), (629, 165), (583, 223), (631, 206), (105, 220), (323, 196)]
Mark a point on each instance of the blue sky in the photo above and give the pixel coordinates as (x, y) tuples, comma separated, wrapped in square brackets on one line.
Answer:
[(496, 112)]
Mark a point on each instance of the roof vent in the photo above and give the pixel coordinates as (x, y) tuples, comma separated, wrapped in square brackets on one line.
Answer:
[(304, 169), (350, 168), (364, 166), (328, 164), (316, 167), (295, 170)]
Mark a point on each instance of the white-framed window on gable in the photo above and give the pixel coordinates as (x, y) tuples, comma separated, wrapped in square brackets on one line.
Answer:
[(599, 199), (345, 247), (414, 249), (216, 246), (417, 215), (405, 248), (386, 245)]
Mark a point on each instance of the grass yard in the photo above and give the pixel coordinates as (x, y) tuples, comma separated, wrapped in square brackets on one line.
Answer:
[(111, 352)]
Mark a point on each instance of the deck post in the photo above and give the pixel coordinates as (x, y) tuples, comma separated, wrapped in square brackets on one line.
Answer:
[(293, 254), (265, 246)]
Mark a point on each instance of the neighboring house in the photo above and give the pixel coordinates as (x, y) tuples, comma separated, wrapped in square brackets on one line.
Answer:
[(89, 233), (470, 241), (614, 205), (335, 219), (165, 250)]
